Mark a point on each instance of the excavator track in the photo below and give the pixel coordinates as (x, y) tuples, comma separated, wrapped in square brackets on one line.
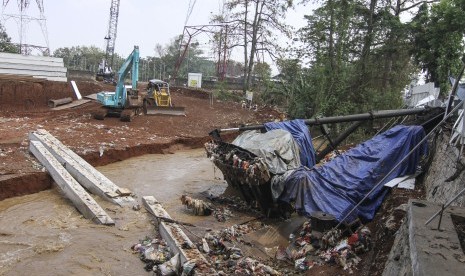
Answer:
[(127, 115), (99, 114)]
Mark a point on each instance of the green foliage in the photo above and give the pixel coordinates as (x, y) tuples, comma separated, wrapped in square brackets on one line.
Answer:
[(359, 60), (194, 61), (84, 57), (5, 42), (254, 23), (222, 94), (437, 38)]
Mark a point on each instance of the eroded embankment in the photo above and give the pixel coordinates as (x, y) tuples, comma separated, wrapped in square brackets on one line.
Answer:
[(29, 183)]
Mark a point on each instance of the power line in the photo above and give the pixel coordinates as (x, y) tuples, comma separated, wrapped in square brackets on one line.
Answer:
[(190, 8)]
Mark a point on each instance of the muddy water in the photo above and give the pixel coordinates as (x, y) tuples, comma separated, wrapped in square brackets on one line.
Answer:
[(43, 234)]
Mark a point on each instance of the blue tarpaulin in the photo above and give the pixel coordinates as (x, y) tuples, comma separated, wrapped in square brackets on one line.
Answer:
[(301, 135), (337, 186)]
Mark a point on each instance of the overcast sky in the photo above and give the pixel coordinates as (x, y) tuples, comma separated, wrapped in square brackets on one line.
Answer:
[(141, 22)]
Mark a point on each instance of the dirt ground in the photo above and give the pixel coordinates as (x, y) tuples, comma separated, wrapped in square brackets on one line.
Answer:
[(23, 108)]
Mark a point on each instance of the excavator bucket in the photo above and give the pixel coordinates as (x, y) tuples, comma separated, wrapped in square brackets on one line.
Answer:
[(165, 110)]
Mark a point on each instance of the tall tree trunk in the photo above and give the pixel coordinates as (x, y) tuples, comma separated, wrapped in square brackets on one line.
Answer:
[(255, 28), (246, 45), (358, 94)]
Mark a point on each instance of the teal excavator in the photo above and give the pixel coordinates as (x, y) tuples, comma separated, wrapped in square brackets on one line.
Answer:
[(128, 101)]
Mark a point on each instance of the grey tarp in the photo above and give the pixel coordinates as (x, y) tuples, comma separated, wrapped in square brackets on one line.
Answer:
[(277, 148)]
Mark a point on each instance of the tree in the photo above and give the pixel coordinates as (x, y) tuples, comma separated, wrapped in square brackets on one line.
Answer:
[(84, 57), (5, 42), (359, 53), (255, 22), (437, 35), (194, 60)]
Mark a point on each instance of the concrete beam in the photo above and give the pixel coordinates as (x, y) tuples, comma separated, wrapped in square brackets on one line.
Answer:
[(88, 207), (172, 232), (41, 74), (30, 58), (47, 68), (83, 172)]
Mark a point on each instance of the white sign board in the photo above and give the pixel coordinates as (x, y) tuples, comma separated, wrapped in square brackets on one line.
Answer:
[(194, 80)]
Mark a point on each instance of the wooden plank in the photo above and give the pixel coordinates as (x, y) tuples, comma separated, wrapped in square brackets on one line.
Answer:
[(91, 96), (172, 233), (88, 207), (85, 174), (71, 105)]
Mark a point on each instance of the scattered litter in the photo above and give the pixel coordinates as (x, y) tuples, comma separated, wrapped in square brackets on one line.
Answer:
[(170, 267), (222, 214), (198, 206), (236, 203), (152, 252), (310, 247)]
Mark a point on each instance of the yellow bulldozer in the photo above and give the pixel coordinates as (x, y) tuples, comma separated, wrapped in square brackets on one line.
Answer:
[(158, 99)]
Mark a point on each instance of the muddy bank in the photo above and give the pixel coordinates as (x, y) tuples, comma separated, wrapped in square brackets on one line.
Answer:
[(18, 184)]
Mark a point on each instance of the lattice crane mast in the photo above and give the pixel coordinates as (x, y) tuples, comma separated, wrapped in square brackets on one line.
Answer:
[(105, 68)]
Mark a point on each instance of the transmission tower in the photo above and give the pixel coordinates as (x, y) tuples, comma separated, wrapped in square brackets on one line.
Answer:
[(22, 20)]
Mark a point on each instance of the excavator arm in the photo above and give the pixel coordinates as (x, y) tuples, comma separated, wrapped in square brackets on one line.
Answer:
[(130, 64), (118, 98)]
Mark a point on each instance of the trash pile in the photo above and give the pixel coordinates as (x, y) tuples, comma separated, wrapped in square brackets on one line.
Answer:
[(226, 156), (202, 208), (153, 252), (198, 206), (229, 259), (234, 202), (312, 248)]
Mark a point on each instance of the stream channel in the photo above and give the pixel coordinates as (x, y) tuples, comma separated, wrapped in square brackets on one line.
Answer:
[(43, 234)]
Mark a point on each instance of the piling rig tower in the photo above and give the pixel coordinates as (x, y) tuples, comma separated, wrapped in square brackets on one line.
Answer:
[(111, 35)]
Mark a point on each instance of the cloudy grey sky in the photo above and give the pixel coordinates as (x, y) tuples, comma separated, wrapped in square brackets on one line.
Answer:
[(141, 22)]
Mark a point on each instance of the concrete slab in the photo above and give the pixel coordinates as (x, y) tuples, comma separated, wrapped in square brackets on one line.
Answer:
[(172, 233), (29, 72), (84, 173), (71, 105), (6, 65), (31, 58), (91, 96), (425, 250), (88, 207)]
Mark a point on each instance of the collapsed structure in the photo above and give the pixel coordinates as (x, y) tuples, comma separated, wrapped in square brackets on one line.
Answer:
[(276, 170)]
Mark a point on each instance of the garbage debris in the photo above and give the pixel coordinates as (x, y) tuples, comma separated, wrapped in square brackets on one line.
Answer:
[(311, 247), (234, 202), (229, 259), (198, 206), (222, 214), (153, 252), (170, 267)]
